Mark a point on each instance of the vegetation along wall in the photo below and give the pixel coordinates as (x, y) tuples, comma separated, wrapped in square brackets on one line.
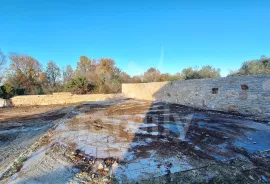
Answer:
[(244, 94)]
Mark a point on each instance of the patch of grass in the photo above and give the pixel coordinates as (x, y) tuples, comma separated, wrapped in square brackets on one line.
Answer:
[(21, 160)]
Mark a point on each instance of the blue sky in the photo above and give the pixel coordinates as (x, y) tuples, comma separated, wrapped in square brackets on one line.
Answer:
[(169, 35)]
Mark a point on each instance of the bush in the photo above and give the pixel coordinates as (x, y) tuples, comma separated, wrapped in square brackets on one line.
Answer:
[(79, 85), (204, 72), (39, 90), (1, 93), (7, 91)]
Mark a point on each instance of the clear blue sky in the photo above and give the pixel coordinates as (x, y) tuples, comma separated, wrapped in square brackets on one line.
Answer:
[(170, 35)]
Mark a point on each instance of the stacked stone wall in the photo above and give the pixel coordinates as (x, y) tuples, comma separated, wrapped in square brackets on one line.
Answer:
[(56, 98), (244, 94)]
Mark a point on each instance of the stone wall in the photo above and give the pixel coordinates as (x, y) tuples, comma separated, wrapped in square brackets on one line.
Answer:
[(143, 91), (60, 98), (244, 94)]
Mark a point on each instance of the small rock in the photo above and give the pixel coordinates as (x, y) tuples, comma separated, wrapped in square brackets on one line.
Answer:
[(168, 172), (77, 151), (264, 179), (106, 179), (101, 166), (114, 168), (106, 169), (251, 177), (169, 165), (210, 178)]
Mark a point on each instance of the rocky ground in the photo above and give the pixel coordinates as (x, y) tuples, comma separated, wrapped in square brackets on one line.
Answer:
[(131, 141)]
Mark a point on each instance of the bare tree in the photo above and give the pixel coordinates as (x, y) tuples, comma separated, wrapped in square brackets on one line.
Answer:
[(152, 75), (68, 74), (83, 66), (52, 73)]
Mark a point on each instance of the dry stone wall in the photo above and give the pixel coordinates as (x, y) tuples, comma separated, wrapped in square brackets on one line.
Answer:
[(143, 91), (60, 98), (244, 94)]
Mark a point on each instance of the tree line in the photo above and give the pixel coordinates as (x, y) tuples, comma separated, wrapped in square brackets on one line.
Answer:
[(25, 75)]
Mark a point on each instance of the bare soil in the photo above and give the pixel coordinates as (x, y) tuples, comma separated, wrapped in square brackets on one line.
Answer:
[(20, 127), (22, 113)]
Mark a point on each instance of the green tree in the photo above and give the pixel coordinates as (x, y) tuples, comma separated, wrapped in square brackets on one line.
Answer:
[(254, 67), (78, 85), (204, 72), (7, 91), (189, 73), (209, 72)]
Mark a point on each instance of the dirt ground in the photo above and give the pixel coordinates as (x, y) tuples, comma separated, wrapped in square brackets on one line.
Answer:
[(10, 114), (20, 127), (134, 141)]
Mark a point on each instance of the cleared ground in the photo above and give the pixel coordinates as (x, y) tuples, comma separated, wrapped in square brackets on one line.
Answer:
[(129, 141), (20, 127)]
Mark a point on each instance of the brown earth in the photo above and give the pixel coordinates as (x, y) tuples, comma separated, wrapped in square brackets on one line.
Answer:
[(21, 113)]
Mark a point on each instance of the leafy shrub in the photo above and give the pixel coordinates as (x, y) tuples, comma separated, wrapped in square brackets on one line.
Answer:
[(7, 91), (204, 72), (39, 90), (78, 85), (1, 93)]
